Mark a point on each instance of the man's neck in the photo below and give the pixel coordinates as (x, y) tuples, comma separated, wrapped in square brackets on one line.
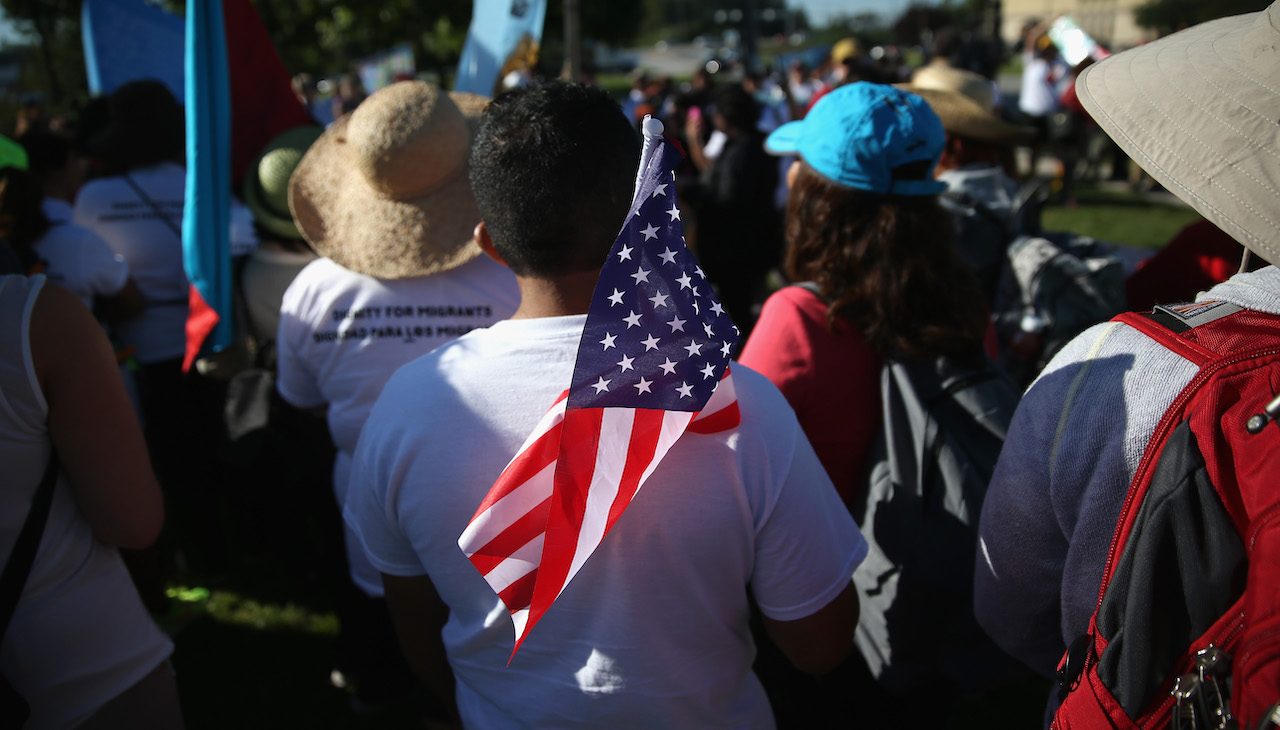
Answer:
[(563, 295)]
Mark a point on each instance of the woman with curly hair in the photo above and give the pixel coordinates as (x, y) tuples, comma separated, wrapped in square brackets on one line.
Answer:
[(865, 229)]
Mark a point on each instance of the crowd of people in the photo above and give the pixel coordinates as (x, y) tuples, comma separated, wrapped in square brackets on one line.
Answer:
[(414, 274)]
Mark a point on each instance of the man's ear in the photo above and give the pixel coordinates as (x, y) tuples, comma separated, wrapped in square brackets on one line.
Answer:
[(485, 241)]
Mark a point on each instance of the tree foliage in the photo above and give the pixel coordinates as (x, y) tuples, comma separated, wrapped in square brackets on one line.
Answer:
[(1167, 16), (54, 26)]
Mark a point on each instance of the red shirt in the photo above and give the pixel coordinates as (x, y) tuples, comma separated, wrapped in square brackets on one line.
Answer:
[(831, 379)]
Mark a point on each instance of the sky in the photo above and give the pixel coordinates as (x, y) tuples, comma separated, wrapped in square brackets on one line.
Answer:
[(819, 11)]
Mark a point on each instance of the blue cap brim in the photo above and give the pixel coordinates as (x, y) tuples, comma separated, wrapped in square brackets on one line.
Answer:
[(785, 139)]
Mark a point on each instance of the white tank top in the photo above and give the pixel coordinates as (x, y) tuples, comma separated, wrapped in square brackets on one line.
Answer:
[(80, 635)]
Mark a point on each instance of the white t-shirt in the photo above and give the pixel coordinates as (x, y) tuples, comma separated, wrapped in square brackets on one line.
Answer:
[(343, 334), (77, 258), (1042, 85), (79, 635), (148, 236), (652, 632)]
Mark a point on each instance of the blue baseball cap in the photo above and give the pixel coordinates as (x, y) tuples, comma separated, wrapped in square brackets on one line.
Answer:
[(857, 135)]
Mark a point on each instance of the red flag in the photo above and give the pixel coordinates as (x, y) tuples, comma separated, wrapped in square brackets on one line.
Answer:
[(262, 100)]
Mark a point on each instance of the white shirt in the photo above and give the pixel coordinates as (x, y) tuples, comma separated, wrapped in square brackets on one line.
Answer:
[(148, 236), (77, 258), (343, 334), (652, 631)]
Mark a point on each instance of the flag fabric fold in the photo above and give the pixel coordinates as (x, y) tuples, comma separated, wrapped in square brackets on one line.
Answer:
[(652, 364), (205, 221)]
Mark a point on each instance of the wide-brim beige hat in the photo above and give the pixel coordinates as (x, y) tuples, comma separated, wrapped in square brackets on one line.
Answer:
[(963, 116), (1200, 111), (385, 190), (966, 104)]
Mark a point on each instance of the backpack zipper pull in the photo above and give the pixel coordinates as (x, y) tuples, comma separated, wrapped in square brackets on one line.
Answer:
[(1271, 412), (1186, 692)]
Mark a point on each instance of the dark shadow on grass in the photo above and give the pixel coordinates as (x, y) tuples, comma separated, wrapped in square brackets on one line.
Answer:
[(232, 676)]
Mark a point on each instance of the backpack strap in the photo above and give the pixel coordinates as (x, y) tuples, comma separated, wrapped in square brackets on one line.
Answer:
[(18, 566), (1168, 325)]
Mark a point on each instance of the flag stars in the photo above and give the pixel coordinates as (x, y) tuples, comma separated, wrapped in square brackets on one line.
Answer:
[(601, 385), (642, 274), (650, 232), (693, 348), (615, 298), (685, 281), (717, 309), (659, 300), (661, 189), (633, 320), (668, 367), (709, 371), (625, 363), (674, 212), (608, 340), (706, 327), (685, 390), (650, 344), (624, 253), (677, 324), (698, 270), (668, 256), (643, 386), (726, 349)]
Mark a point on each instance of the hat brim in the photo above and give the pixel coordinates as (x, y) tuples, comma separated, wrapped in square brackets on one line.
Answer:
[(785, 139), (1197, 110), (267, 218), (361, 229), (964, 117), (277, 222)]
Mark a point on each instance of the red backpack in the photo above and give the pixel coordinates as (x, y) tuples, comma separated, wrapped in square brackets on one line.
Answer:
[(1188, 618)]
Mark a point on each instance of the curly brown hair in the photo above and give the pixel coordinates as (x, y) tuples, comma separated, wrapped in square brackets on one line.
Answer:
[(888, 266)]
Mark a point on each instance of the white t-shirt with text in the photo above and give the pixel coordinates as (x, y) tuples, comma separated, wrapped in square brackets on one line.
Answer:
[(343, 334)]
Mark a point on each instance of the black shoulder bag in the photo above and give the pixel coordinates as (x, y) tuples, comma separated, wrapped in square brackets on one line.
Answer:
[(14, 709)]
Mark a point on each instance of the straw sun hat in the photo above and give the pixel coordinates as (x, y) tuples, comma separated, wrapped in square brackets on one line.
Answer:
[(965, 101), (385, 192), (1200, 111)]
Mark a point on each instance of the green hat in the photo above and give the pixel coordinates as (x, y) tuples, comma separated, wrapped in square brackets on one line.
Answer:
[(266, 185), (12, 154)]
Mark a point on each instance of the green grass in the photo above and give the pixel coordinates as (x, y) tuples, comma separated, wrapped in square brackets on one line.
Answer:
[(1120, 217)]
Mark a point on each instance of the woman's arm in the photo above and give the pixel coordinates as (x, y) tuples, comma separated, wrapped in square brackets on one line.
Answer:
[(92, 422)]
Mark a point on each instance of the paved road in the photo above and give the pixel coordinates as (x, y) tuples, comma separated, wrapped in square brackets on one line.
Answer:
[(676, 60)]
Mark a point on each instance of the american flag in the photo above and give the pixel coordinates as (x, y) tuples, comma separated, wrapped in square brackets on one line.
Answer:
[(653, 362)]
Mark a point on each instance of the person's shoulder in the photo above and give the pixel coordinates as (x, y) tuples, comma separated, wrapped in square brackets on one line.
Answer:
[(798, 296), (760, 399), (97, 190), (796, 302)]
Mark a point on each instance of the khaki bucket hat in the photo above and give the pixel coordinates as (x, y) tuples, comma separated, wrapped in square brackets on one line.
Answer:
[(1200, 111), (385, 191), (965, 102)]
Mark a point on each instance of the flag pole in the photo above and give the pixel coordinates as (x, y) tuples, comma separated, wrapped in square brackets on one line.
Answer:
[(572, 40)]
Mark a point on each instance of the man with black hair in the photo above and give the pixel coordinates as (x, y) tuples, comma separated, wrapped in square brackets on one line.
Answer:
[(653, 630)]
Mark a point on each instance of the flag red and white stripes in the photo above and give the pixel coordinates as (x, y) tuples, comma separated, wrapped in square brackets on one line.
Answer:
[(592, 452)]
